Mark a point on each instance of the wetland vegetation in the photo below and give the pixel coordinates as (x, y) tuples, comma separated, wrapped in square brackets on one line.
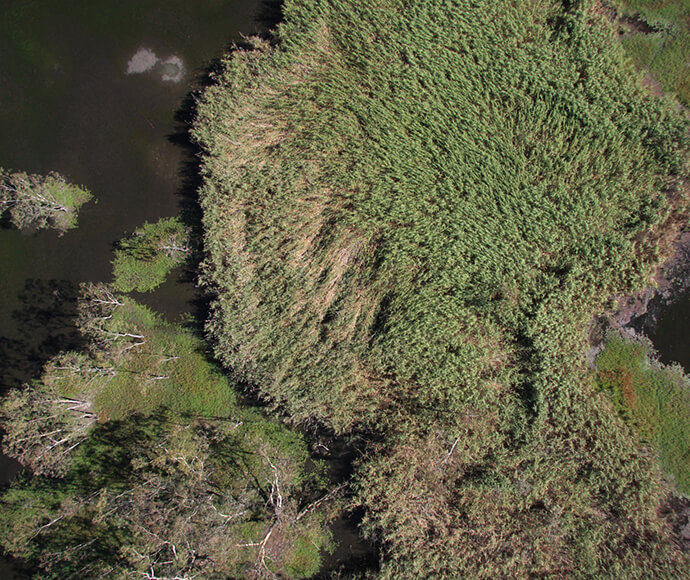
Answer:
[(656, 33), (412, 210)]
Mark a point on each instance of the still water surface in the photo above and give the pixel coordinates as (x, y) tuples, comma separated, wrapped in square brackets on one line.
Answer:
[(73, 100), (669, 330)]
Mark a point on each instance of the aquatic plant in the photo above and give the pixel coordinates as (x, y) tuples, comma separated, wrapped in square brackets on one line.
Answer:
[(653, 398)]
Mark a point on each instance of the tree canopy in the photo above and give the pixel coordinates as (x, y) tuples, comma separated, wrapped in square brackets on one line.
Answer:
[(146, 465), (39, 201), (144, 259)]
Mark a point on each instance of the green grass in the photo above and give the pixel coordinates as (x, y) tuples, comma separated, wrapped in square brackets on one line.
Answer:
[(666, 52), (144, 260), (169, 369), (658, 12), (306, 558), (653, 398)]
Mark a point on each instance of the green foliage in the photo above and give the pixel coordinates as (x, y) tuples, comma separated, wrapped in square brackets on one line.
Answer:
[(39, 201), (653, 398), (411, 212), (143, 261), (386, 209), (664, 47), (26, 506), (305, 559), (157, 468)]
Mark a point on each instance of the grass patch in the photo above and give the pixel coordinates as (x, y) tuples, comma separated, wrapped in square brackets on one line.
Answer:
[(665, 52), (653, 398), (144, 260), (306, 557), (166, 368)]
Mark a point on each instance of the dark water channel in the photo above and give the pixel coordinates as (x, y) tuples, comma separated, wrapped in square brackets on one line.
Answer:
[(668, 327)]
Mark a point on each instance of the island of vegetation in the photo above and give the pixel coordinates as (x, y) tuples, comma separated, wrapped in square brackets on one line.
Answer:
[(412, 212), (38, 201), (144, 259)]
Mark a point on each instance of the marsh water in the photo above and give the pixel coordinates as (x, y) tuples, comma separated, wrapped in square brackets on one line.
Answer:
[(669, 330)]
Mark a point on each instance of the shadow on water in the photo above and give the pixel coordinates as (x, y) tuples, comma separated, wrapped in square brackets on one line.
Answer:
[(353, 553), (269, 15), (47, 316)]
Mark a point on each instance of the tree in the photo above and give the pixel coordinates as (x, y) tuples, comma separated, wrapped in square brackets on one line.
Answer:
[(157, 497), (157, 471), (143, 260), (42, 426), (40, 201)]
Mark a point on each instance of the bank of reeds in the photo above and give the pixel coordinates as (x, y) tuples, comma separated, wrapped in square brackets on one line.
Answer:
[(412, 210)]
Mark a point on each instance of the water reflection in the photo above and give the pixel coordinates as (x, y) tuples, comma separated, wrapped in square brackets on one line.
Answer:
[(669, 330), (145, 60)]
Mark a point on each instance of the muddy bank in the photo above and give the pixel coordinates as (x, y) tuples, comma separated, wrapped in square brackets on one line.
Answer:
[(639, 313)]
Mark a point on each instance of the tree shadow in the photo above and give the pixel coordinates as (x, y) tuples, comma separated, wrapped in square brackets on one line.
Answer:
[(269, 15), (105, 458), (47, 318)]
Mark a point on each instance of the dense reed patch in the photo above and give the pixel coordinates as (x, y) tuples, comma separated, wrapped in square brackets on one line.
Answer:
[(412, 209)]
